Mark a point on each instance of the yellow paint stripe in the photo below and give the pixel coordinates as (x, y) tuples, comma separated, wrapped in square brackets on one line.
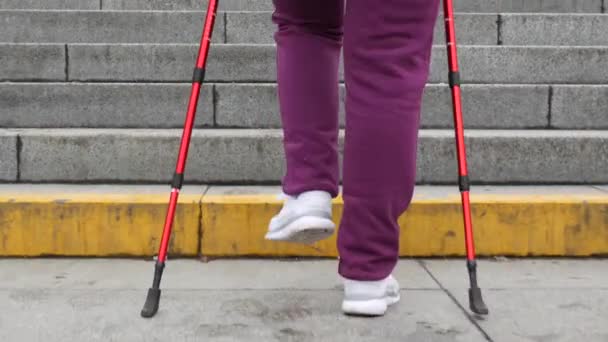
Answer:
[(450, 198), (110, 224), (104, 198), (515, 225), (94, 224)]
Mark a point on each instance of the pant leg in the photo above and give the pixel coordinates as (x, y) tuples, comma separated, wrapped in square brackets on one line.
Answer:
[(387, 47), (309, 40)]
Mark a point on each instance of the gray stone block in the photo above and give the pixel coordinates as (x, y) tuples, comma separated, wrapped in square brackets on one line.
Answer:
[(533, 65), (165, 5), (233, 63), (50, 4), (544, 6), (557, 29), (254, 156), (529, 6), (98, 155), (247, 105), (8, 156), (476, 6), (149, 155), (57, 105), (64, 105), (488, 106), (248, 5), (256, 63), (227, 63), (237, 156), (131, 62), (253, 105), (249, 27), (484, 106), (531, 156), (105, 27), (580, 107), (266, 5), (472, 29), (257, 28), (32, 62)]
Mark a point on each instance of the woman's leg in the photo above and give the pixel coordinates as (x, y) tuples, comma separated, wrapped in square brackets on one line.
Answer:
[(309, 40), (387, 46)]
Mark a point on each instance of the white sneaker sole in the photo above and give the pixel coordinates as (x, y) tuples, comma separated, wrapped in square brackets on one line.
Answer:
[(373, 307), (305, 230)]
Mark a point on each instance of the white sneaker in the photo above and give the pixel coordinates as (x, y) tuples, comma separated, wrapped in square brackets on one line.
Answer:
[(370, 298), (303, 219)]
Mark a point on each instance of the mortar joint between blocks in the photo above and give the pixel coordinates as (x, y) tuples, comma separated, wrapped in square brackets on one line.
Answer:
[(550, 108), (499, 29), (214, 102), (19, 147), (67, 63), (225, 27)]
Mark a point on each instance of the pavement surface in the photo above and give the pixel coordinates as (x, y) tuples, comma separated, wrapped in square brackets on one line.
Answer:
[(535, 300)]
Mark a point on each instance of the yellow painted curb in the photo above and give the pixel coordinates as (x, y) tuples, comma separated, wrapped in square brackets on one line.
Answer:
[(115, 224), (94, 224), (510, 225)]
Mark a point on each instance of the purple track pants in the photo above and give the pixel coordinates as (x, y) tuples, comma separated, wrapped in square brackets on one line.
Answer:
[(387, 47)]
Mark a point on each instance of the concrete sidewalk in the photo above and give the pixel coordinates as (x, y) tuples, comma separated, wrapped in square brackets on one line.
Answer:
[(262, 300)]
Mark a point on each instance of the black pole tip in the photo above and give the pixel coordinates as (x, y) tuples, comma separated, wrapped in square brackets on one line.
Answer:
[(152, 302), (476, 302)]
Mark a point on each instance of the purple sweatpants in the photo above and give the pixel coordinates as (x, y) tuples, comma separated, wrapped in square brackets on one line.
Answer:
[(387, 46)]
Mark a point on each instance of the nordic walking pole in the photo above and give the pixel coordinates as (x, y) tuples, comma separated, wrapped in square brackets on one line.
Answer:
[(476, 303), (152, 301)]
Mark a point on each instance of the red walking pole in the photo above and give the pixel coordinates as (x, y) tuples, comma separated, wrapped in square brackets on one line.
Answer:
[(152, 301), (476, 302)]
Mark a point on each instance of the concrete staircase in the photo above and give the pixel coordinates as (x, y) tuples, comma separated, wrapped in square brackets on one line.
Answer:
[(95, 92)]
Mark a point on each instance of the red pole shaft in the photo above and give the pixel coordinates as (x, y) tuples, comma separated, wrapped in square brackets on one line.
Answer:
[(201, 61), (450, 35), (164, 244)]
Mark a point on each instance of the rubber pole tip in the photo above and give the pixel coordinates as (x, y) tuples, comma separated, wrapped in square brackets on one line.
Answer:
[(152, 302), (476, 302)]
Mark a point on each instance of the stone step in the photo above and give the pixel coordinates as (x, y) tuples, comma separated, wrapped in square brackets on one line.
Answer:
[(163, 105), (555, 29), (105, 27), (181, 27), (256, 156), (181, 5), (256, 63), (50, 4), (472, 29), (257, 28), (562, 6)]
